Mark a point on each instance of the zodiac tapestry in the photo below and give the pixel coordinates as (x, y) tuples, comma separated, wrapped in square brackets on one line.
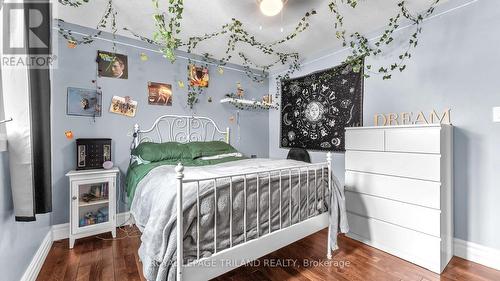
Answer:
[(316, 108)]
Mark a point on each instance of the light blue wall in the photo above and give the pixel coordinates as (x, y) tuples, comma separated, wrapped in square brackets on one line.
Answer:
[(18, 240), (77, 68), (455, 66)]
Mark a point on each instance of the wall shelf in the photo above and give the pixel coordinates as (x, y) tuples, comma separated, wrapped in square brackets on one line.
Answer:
[(94, 202), (248, 103)]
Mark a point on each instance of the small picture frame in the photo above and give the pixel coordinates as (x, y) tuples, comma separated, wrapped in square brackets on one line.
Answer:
[(123, 106), (112, 65), (198, 76), (159, 94), (84, 102)]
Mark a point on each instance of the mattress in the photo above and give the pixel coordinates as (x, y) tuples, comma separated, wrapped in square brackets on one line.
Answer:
[(154, 208)]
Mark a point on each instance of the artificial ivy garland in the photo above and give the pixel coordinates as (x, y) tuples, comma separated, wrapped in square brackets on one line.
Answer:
[(108, 16), (361, 46), (168, 26)]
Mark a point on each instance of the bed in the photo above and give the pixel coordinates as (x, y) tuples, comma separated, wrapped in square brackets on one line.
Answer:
[(234, 209)]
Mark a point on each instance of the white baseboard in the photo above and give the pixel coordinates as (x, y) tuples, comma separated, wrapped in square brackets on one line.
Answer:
[(61, 231), (36, 263), (486, 256)]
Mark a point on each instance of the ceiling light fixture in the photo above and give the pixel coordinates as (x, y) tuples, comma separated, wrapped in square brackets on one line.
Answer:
[(271, 7)]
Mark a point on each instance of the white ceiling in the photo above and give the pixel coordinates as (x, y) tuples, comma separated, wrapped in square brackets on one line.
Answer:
[(205, 16)]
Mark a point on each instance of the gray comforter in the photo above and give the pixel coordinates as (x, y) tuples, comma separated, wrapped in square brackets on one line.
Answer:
[(154, 209)]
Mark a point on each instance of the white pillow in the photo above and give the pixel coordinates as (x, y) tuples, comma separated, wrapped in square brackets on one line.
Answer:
[(220, 156)]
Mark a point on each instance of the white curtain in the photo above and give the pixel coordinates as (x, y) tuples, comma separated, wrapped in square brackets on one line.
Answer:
[(23, 88)]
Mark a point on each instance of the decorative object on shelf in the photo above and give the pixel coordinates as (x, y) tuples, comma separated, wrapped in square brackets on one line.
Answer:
[(123, 106), (268, 99), (69, 135), (410, 118), (92, 153), (317, 107), (240, 93), (84, 102), (198, 76), (112, 65), (107, 165), (243, 104), (159, 93)]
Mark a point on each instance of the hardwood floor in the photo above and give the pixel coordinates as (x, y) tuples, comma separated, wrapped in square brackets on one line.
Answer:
[(97, 259)]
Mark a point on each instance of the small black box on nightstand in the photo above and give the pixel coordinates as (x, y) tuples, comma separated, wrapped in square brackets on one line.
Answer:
[(91, 153)]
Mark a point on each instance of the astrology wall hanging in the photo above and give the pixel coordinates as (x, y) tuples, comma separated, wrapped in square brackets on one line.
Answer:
[(316, 108)]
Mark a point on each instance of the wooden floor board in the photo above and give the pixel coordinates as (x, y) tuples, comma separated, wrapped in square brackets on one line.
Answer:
[(102, 258)]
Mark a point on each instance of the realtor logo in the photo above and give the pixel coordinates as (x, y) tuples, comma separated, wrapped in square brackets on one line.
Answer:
[(27, 34)]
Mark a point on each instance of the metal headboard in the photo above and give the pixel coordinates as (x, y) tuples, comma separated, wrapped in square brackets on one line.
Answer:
[(180, 129)]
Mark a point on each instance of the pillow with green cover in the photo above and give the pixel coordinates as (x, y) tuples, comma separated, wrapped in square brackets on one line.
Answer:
[(154, 152), (209, 148)]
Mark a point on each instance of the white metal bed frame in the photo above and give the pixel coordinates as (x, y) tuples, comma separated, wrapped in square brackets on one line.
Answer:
[(193, 128)]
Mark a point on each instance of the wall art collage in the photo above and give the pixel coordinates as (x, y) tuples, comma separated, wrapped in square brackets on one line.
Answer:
[(89, 103)]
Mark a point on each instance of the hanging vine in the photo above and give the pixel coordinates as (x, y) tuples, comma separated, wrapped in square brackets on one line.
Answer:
[(167, 30), (108, 17), (168, 27), (361, 46), (73, 3), (237, 34)]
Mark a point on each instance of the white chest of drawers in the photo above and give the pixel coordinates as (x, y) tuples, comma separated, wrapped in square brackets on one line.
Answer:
[(399, 191)]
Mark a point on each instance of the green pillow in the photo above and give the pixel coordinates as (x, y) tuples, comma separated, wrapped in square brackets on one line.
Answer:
[(209, 148), (154, 152)]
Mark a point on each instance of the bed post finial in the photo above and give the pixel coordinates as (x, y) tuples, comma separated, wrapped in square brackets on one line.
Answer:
[(329, 163), (179, 169), (136, 135)]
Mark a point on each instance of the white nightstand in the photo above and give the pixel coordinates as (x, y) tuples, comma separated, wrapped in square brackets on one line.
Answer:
[(91, 215)]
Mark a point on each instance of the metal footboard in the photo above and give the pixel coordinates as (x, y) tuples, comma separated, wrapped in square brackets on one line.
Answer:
[(302, 172)]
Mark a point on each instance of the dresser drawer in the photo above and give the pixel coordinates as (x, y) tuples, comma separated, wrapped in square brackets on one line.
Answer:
[(410, 165), (419, 140), (406, 215), (416, 247), (359, 139), (423, 193)]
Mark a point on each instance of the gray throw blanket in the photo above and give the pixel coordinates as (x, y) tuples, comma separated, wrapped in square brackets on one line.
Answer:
[(154, 209)]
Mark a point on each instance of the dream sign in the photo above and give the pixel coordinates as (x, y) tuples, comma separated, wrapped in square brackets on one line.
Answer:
[(410, 118)]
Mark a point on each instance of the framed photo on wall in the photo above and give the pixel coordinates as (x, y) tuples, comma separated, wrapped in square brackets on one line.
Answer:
[(198, 76), (84, 102), (316, 108), (159, 94), (112, 65), (123, 106)]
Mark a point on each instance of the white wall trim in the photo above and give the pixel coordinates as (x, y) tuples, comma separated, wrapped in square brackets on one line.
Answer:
[(486, 256), (61, 231), (36, 263)]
